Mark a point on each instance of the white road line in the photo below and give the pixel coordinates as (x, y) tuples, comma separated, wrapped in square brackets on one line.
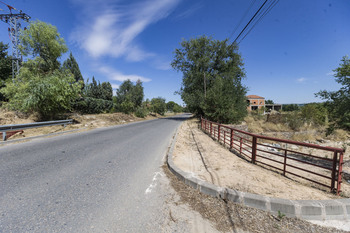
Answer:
[(154, 182)]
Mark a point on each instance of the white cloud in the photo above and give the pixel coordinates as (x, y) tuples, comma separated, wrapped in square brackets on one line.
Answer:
[(301, 80), (115, 75), (332, 73), (114, 86), (190, 11), (109, 28)]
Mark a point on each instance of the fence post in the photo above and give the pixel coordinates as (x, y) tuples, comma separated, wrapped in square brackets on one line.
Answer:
[(219, 128), (340, 170), (285, 163), (254, 149), (211, 128), (231, 141), (334, 168), (240, 146), (4, 136)]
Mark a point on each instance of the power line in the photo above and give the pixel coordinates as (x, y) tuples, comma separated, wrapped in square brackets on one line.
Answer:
[(250, 21), (262, 15), (239, 24)]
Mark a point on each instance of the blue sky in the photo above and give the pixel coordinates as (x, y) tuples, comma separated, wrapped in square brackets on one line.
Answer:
[(288, 56)]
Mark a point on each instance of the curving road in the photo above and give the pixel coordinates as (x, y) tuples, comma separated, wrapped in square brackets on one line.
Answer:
[(103, 180)]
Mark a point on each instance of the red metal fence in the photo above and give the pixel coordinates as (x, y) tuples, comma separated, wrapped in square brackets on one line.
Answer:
[(318, 164)]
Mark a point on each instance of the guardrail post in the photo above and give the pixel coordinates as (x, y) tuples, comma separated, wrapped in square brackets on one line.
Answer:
[(219, 129), (4, 136), (340, 170), (231, 141), (334, 168), (285, 163), (254, 150)]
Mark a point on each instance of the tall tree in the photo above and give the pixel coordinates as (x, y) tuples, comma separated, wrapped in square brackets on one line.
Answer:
[(43, 41), (338, 102), (158, 105), (41, 86), (5, 67), (202, 61), (72, 65), (129, 96), (106, 91)]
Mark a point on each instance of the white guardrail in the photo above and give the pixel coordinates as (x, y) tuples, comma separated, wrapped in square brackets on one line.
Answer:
[(8, 128)]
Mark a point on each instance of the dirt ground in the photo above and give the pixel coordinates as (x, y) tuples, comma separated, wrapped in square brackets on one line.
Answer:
[(232, 217), (81, 122), (198, 154)]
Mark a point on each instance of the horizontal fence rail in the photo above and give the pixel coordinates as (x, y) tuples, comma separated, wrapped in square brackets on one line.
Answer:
[(8, 128), (318, 164)]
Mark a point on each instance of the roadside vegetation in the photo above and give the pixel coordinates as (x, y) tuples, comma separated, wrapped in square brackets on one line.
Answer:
[(314, 121), (50, 90)]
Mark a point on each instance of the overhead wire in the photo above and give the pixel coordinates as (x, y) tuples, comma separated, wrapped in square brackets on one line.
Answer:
[(243, 17), (260, 17), (250, 21)]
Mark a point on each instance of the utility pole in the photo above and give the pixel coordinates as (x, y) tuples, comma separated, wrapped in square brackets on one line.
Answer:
[(14, 22)]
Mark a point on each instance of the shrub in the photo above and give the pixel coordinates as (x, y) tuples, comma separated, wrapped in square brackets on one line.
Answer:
[(91, 105), (141, 112)]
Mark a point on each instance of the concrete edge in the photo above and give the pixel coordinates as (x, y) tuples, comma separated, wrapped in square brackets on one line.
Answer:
[(338, 209)]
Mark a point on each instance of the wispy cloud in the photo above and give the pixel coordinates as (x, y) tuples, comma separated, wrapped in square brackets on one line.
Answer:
[(332, 73), (110, 28), (115, 86), (190, 11), (116, 75), (301, 80)]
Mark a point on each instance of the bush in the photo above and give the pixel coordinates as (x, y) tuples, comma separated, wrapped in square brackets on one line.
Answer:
[(141, 112), (91, 105)]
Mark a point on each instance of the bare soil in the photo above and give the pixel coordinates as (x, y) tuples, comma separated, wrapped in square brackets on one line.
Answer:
[(232, 217), (81, 122), (197, 153)]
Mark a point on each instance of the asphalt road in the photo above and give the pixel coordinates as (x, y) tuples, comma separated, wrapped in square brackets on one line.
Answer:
[(103, 180)]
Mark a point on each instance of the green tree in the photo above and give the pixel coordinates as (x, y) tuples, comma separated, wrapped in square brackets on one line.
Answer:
[(177, 108), (41, 85), (269, 102), (106, 91), (338, 102), (226, 101), (47, 94), (202, 61), (72, 65), (137, 94), (43, 41), (170, 106), (5, 67), (129, 96), (158, 105), (290, 107)]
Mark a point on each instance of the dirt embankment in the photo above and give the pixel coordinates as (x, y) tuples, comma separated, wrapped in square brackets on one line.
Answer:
[(81, 122), (198, 154)]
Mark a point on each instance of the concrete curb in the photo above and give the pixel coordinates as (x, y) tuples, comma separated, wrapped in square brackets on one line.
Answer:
[(304, 209)]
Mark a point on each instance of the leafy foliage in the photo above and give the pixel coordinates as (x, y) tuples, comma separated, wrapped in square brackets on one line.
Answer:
[(72, 65), (91, 105), (290, 107), (269, 102), (129, 96), (47, 94), (158, 105), (42, 40), (226, 101), (5, 67), (207, 65), (338, 102)]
